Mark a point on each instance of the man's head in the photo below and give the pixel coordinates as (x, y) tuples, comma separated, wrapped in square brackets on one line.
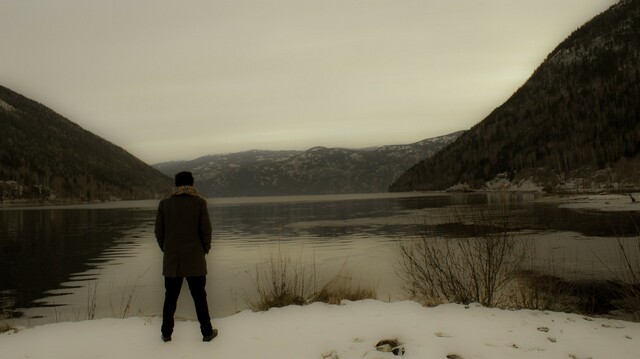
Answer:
[(184, 178)]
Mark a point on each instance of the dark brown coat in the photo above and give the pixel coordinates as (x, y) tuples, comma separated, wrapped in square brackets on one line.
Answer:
[(183, 231)]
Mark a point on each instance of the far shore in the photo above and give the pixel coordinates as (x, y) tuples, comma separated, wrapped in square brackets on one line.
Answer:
[(605, 199)]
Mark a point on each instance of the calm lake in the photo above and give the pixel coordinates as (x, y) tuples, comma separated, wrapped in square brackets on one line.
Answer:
[(58, 263)]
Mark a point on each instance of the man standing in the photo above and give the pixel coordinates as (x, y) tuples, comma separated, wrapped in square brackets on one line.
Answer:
[(183, 231)]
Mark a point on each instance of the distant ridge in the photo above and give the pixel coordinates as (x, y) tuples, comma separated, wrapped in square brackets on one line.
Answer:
[(575, 124), (45, 157), (319, 170)]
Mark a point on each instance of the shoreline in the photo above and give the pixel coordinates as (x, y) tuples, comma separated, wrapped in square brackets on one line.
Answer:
[(605, 202)]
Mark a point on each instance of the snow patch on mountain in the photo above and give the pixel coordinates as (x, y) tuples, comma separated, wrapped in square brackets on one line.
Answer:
[(5, 106)]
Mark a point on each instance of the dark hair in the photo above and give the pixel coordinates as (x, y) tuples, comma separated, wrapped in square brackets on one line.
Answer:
[(184, 178)]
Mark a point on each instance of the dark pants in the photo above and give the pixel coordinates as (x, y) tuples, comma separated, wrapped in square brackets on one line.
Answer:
[(172, 291)]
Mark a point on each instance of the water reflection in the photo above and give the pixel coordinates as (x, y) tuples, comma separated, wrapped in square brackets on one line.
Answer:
[(39, 249)]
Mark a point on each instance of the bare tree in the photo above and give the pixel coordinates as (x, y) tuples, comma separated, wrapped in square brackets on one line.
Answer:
[(474, 265)]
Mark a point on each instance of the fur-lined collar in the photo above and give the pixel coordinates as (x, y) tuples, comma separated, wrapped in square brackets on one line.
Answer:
[(190, 190)]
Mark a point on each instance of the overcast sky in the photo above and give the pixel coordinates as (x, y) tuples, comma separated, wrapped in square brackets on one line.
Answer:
[(175, 80)]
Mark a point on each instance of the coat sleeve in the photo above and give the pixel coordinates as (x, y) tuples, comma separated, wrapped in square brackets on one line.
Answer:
[(159, 228), (205, 227)]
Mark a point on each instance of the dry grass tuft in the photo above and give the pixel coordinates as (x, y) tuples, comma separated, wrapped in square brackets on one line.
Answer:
[(283, 281)]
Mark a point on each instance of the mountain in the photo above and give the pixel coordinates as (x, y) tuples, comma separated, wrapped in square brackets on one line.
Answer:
[(44, 156), (207, 166), (318, 170), (574, 124)]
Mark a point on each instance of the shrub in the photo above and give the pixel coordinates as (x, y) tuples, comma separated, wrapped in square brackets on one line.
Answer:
[(627, 274), (539, 291), (281, 282), (7, 328), (473, 266)]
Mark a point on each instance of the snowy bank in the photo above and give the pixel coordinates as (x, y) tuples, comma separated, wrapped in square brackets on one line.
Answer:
[(347, 331), (601, 202)]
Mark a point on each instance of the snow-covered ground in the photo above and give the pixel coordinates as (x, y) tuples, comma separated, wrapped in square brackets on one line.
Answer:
[(351, 330), (602, 202)]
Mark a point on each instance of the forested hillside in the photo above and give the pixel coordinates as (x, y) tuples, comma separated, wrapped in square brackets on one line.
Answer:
[(575, 121), (44, 156)]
